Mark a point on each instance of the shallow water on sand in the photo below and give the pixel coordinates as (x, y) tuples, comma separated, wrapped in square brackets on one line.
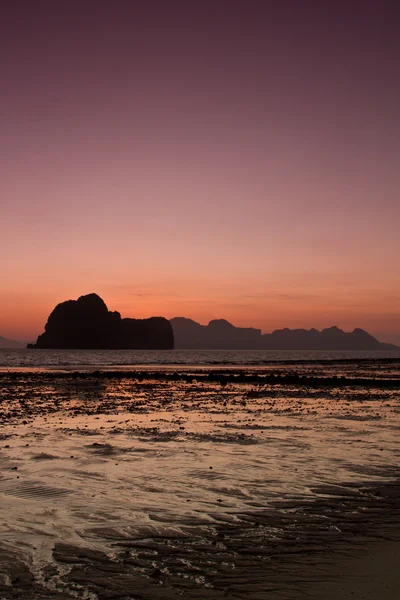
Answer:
[(108, 465)]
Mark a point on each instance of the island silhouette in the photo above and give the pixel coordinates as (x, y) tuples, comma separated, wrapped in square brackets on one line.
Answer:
[(6, 343), (220, 334), (87, 323)]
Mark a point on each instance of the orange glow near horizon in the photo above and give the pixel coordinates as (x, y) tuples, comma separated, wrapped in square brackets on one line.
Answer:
[(24, 313)]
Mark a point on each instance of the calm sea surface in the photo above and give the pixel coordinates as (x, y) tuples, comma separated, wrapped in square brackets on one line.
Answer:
[(73, 359)]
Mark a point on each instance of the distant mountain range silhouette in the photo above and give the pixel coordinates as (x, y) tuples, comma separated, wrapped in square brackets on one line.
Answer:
[(87, 323), (220, 334), (5, 343)]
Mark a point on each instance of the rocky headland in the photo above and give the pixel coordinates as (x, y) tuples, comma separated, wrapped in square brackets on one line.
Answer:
[(87, 323)]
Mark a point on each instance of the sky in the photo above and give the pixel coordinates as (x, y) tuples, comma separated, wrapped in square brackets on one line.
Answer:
[(212, 159)]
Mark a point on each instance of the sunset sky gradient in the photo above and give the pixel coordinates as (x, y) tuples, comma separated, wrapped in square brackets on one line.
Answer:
[(201, 159)]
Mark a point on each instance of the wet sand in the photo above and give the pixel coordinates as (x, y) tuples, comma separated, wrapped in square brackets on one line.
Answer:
[(136, 486)]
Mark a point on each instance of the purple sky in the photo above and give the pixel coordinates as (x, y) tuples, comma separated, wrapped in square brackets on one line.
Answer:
[(203, 159)]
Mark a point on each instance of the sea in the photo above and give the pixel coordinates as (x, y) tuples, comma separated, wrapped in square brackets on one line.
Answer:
[(128, 359)]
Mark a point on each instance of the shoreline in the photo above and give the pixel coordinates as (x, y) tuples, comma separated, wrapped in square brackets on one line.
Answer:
[(175, 487), (65, 361), (222, 375)]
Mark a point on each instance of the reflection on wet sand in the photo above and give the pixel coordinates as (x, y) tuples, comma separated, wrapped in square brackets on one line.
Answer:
[(140, 487)]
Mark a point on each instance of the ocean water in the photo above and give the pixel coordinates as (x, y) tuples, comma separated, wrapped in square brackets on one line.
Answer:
[(74, 359)]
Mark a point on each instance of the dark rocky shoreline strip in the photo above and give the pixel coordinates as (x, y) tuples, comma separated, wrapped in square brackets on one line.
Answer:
[(204, 376)]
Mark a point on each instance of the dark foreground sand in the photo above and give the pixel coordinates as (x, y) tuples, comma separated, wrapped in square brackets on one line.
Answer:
[(141, 489), (371, 574), (360, 562)]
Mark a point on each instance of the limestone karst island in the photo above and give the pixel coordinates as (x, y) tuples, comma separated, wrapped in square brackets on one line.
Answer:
[(87, 324)]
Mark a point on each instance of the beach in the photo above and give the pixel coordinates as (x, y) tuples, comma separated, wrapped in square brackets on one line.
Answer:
[(201, 483)]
